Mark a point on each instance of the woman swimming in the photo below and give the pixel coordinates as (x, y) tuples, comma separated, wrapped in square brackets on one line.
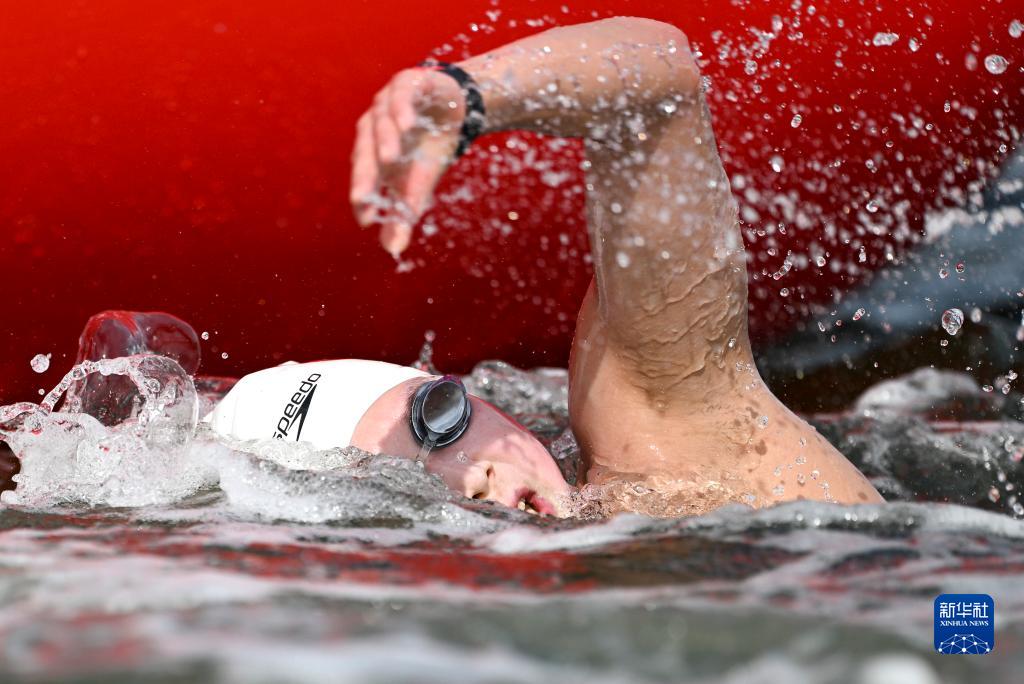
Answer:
[(663, 387), (664, 395)]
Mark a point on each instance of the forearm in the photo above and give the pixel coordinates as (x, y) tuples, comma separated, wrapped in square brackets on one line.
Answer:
[(591, 80)]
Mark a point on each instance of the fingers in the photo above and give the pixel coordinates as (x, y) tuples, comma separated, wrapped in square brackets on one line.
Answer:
[(389, 144), (421, 180), (364, 170), (399, 155), (395, 237)]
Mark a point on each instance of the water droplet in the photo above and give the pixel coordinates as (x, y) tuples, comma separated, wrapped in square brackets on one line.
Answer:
[(796, 120), (960, 268), (987, 388), (669, 107), (871, 206), (41, 363), (914, 45), (784, 292), (205, 335), (1016, 28), (883, 38), (820, 261), (778, 471), (778, 490), (224, 355), (859, 314), (815, 474), (993, 494), (616, 208), (800, 479), (800, 460), (622, 259), (776, 163), (762, 422), (996, 64), (943, 273), (750, 67), (952, 319), (943, 343)]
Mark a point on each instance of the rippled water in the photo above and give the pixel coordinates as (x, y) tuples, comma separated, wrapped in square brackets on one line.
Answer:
[(264, 562)]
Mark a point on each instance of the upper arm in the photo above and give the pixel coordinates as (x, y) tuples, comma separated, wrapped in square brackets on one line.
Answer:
[(670, 267)]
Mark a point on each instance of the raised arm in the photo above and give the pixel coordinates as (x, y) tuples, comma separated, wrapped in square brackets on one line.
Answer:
[(668, 255)]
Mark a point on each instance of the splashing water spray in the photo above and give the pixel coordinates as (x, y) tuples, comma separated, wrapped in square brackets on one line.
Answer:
[(71, 456)]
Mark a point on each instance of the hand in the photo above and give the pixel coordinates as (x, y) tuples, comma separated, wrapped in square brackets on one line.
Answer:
[(404, 144)]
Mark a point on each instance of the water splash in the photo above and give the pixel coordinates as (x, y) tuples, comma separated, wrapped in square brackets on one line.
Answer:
[(40, 363), (884, 39), (996, 64), (952, 320), (70, 457)]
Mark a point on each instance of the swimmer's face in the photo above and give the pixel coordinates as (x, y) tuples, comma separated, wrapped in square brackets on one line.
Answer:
[(494, 459)]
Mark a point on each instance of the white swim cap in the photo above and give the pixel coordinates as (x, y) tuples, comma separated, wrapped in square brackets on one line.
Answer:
[(319, 402)]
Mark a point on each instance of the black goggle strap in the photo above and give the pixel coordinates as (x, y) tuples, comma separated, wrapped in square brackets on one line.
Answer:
[(440, 412)]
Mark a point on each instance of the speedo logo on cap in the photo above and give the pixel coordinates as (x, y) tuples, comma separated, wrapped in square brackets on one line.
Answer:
[(296, 409)]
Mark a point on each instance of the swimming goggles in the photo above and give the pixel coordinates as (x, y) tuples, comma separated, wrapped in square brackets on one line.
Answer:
[(440, 412)]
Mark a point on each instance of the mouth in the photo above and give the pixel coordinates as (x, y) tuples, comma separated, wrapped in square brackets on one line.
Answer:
[(531, 502)]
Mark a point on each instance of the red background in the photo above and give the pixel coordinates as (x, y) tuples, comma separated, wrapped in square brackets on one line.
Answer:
[(192, 156)]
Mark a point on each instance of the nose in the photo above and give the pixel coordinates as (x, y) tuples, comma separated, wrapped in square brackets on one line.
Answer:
[(478, 481), (475, 479)]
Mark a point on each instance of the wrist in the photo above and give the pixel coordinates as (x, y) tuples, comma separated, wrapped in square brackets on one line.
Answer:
[(474, 112)]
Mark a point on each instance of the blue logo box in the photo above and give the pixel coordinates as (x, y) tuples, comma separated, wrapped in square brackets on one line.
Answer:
[(965, 624)]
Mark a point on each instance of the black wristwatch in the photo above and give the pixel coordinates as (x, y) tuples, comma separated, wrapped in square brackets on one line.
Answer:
[(473, 123)]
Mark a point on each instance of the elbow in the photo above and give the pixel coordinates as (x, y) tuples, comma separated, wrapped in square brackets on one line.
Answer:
[(673, 47), (649, 31)]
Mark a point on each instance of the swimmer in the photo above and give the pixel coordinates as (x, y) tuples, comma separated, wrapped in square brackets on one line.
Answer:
[(664, 395), (663, 387)]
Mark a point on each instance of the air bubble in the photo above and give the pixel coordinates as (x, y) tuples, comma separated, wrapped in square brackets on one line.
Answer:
[(796, 121), (952, 320), (205, 335)]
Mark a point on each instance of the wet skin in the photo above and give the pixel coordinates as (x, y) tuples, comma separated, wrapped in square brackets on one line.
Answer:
[(494, 459), (663, 385)]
